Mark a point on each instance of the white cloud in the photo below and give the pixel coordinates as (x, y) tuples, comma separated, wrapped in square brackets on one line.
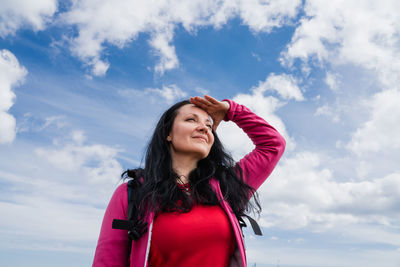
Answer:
[(11, 75), (363, 169), (284, 84), (58, 121), (322, 251), (327, 111), (61, 190), (202, 91), (99, 67), (362, 34), (15, 14), (302, 193), (259, 15), (161, 42), (169, 93), (31, 123), (381, 132), (7, 128), (332, 81), (265, 15), (50, 220), (256, 56), (96, 162), (365, 34), (78, 137), (120, 22)]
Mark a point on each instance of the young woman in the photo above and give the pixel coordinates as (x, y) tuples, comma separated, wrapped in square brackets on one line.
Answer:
[(186, 203)]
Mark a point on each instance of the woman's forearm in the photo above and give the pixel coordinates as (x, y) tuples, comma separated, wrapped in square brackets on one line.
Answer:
[(269, 144)]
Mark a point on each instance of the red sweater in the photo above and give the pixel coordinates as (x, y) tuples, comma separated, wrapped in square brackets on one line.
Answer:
[(201, 237)]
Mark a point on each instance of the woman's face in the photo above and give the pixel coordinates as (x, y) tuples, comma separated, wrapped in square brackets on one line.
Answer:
[(191, 133)]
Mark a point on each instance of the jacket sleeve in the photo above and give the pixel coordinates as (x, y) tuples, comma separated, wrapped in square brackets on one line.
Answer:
[(269, 144), (113, 244)]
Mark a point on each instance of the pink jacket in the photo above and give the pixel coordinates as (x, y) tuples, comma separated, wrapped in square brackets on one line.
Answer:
[(112, 247)]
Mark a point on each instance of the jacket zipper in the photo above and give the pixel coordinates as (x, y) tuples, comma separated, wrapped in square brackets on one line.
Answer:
[(148, 244)]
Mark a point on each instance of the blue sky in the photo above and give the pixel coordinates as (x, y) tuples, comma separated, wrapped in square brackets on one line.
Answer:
[(82, 84)]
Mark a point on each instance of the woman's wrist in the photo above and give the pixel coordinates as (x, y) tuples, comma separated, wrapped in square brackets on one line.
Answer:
[(227, 105)]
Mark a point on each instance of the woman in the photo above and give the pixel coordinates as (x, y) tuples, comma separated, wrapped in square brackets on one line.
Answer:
[(187, 202)]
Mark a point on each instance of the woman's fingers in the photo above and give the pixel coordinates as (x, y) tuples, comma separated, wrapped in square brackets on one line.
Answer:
[(201, 102), (215, 125), (211, 99), (209, 103)]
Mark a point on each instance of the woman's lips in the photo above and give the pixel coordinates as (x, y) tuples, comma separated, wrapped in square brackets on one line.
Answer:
[(201, 137)]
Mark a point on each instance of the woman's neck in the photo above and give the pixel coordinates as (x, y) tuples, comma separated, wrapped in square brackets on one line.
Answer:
[(182, 166)]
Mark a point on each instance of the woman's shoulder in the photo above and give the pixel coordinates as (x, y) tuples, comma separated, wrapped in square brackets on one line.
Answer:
[(125, 187), (122, 188), (120, 194)]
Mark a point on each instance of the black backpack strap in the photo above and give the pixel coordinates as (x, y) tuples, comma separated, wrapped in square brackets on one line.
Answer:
[(130, 202), (128, 224), (253, 223), (125, 224)]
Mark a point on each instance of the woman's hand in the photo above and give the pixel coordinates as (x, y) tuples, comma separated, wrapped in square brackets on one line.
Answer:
[(216, 109)]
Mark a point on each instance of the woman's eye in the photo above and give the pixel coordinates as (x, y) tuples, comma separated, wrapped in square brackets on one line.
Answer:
[(190, 119), (209, 126)]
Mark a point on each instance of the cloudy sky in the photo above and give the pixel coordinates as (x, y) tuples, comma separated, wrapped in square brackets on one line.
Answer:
[(82, 84)]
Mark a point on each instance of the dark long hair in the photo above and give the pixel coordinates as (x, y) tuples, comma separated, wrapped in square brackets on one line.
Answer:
[(155, 188)]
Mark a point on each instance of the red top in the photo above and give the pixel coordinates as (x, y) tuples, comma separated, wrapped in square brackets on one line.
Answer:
[(201, 237)]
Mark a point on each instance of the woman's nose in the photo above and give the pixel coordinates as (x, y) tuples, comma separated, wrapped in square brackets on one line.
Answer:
[(203, 128)]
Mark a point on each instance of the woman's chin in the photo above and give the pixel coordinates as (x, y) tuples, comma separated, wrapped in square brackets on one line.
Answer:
[(202, 154)]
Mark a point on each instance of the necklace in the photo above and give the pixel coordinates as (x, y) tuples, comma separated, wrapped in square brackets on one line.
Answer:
[(180, 180), (182, 185), (185, 187)]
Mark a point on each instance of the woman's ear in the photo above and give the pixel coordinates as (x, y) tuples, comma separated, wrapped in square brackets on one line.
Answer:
[(169, 139)]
